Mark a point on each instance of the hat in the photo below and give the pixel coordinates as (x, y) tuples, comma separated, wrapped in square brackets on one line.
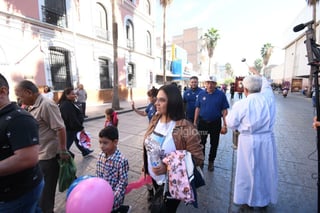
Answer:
[(211, 78)]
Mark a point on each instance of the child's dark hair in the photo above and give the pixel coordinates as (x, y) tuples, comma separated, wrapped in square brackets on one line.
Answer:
[(109, 132), (109, 111), (114, 116), (153, 92)]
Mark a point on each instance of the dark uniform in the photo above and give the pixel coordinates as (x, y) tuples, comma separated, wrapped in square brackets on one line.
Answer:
[(211, 106), (189, 98)]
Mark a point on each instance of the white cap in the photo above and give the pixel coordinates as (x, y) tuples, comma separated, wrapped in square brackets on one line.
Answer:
[(211, 78)]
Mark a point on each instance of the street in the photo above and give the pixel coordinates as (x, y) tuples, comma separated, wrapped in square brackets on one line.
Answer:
[(297, 160)]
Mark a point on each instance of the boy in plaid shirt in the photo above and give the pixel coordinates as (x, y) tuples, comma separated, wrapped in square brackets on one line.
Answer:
[(113, 167)]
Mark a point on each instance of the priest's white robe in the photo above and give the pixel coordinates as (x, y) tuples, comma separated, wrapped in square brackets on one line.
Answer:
[(256, 177)]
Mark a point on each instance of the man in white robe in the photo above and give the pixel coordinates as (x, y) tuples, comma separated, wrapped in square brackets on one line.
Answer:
[(256, 178)]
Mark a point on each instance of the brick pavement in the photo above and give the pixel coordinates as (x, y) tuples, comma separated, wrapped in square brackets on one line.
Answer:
[(297, 159)]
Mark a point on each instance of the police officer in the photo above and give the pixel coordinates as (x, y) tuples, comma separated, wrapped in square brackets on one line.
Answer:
[(211, 106), (190, 96)]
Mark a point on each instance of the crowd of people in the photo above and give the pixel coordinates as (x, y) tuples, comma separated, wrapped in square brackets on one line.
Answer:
[(176, 122), (37, 134)]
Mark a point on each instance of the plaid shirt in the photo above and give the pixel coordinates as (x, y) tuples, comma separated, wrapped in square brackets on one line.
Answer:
[(114, 169)]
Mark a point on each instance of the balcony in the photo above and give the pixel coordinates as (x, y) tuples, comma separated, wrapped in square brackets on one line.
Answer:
[(102, 33), (53, 17), (130, 44)]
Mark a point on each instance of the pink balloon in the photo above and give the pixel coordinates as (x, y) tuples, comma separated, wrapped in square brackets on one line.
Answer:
[(90, 195)]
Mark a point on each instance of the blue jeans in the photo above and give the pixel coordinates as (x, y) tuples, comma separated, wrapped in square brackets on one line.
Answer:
[(27, 203)]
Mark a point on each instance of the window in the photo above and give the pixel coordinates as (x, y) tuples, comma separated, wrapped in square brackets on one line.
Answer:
[(101, 22), (106, 75), (60, 68), (131, 75), (130, 34), (148, 44), (54, 12), (147, 7)]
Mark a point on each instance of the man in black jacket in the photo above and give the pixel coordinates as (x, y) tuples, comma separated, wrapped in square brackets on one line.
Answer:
[(21, 180)]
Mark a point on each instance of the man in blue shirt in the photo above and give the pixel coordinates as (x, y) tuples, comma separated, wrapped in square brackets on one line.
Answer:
[(211, 106), (190, 96)]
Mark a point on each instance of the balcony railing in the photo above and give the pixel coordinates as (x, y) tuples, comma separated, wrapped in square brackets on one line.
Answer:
[(130, 44), (102, 33), (53, 17)]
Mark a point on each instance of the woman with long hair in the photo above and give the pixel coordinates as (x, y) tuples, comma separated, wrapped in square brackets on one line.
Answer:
[(73, 119), (169, 131)]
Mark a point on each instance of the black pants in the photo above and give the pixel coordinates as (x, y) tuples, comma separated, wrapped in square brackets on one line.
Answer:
[(232, 95), (50, 170), (170, 206), (213, 128)]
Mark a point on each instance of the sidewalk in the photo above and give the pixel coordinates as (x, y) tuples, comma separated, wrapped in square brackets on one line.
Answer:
[(97, 111)]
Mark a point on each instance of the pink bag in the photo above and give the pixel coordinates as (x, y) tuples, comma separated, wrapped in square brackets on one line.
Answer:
[(179, 185)]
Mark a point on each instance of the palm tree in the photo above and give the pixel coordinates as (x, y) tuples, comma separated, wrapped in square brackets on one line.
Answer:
[(115, 96), (313, 4), (229, 69), (258, 64), (211, 38), (266, 52), (164, 4)]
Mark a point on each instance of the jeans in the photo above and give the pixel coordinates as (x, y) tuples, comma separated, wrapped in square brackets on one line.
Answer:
[(50, 170), (27, 203)]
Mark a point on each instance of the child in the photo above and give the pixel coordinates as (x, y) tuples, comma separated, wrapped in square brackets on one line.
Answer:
[(113, 167), (111, 118)]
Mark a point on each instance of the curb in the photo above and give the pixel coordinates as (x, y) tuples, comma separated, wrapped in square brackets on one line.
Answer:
[(119, 112)]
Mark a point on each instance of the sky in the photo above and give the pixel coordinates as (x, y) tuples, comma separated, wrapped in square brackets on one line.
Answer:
[(244, 26)]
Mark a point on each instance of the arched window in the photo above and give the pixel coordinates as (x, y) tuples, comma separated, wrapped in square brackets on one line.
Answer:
[(129, 34), (148, 43), (147, 7), (101, 22)]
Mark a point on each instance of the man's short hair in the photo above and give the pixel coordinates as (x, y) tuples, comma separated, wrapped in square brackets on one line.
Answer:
[(25, 84), (194, 77)]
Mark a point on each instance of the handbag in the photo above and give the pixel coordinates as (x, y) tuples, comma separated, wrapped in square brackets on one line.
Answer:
[(67, 173), (158, 202), (198, 177)]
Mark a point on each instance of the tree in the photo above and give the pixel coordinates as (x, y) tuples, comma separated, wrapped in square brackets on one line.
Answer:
[(211, 38), (164, 4), (229, 69), (258, 64), (313, 4), (266, 52), (115, 96)]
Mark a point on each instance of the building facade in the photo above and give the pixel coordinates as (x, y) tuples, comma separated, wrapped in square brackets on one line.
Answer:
[(62, 43), (191, 40), (295, 69)]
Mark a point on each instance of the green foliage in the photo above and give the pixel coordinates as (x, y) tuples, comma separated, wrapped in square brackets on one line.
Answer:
[(211, 38), (266, 52), (229, 69), (258, 64)]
